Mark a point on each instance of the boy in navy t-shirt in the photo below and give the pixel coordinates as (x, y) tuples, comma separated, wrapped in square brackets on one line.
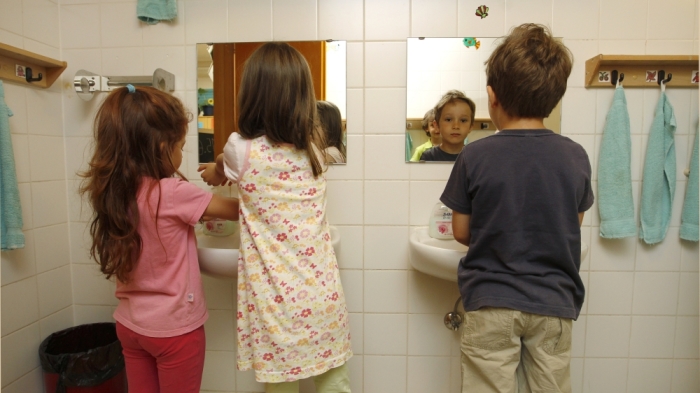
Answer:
[(518, 199)]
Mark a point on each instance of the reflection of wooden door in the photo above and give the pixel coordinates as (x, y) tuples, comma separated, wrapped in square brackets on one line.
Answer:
[(228, 70)]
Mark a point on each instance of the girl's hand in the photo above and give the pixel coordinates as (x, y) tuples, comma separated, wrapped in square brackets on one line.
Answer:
[(211, 176)]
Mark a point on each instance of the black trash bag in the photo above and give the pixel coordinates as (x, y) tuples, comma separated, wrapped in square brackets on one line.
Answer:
[(83, 356)]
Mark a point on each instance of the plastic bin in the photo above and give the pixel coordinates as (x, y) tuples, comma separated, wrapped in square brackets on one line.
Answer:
[(83, 359)]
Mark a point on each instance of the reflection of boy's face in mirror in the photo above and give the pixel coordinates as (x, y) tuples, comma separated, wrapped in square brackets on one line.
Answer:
[(454, 125), (434, 133)]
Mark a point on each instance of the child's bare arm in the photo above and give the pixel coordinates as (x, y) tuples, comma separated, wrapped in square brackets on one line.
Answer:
[(213, 173), (222, 207), (460, 227)]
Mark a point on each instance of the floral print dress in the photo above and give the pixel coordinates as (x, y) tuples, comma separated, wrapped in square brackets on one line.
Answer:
[(292, 318)]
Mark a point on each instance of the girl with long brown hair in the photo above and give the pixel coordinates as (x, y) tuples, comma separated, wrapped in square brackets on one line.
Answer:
[(142, 231), (292, 318)]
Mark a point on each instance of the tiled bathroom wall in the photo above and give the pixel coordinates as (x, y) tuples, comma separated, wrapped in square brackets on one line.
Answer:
[(639, 328)]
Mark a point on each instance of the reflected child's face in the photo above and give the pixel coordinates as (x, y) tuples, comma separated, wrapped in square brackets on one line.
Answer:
[(434, 131), (455, 123)]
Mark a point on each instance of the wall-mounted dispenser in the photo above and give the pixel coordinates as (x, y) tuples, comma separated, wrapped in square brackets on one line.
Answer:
[(86, 83)]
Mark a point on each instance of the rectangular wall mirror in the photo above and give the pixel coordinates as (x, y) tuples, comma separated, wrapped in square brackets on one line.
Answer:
[(436, 65), (219, 71)]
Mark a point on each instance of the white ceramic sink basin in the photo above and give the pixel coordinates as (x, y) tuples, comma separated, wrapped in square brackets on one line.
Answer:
[(439, 258), (218, 255)]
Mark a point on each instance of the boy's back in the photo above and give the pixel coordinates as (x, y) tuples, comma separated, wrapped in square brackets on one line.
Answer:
[(523, 190)]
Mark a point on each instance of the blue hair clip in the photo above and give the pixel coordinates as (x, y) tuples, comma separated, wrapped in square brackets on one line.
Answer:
[(131, 88)]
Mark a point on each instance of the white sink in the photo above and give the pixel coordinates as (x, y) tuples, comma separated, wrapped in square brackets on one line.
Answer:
[(439, 258), (218, 255)]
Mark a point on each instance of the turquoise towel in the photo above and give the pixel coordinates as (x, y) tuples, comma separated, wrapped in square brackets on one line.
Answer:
[(409, 147), (10, 209), (615, 203), (690, 216), (659, 179), (154, 11)]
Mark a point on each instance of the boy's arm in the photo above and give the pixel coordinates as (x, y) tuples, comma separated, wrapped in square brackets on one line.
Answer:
[(580, 218), (460, 227)]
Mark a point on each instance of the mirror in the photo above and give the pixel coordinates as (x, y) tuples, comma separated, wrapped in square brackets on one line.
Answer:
[(436, 65), (219, 71)]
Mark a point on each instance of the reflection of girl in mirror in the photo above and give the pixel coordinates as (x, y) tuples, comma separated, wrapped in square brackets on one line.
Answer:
[(292, 317), (142, 233), (454, 117), (331, 123), (432, 131)]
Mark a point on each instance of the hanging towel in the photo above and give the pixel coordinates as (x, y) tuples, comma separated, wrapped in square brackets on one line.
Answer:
[(408, 147), (615, 203), (10, 209), (154, 11), (690, 216), (659, 179)]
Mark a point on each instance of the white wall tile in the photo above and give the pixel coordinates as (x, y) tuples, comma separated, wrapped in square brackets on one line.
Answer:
[(605, 375), (220, 294), (576, 367), (578, 337), (386, 247), (384, 374), (356, 116), (427, 335), (647, 375), (610, 293), (249, 21), (166, 32), (686, 345), (11, 16), (16, 100), (385, 64), (385, 334), (220, 330), (52, 247), (688, 294), (575, 19), (57, 321), (677, 13), (43, 112), (615, 254), (434, 18), (217, 371), (385, 292), (92, 314), (19, 352), (78, 155), (378, 211), (20, 305), (436, 170), (48, 203), (387, 20), (30, 382), (428, 374), (119, 27), (122, 61), (655, 293), (636, 14), (621, 46), (340, 19), (75, 21), (538, 11), (294, 20), (345, 202), (54, 289), (47, 161), (354, 168), (670, 47), (652, 337), (471, 25), (430, 295), (20, 263), (578, 104), (356, 65), (353, 288), (582, 51), (245, 381), (383, 157), (169, 58), (40, 22), (351, 247), (423, 197), (93, 289), (205, 21), (385, 111), (686, 378), (357, 333), (607, 336)]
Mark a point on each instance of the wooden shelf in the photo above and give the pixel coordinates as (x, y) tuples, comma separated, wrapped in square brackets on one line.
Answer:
[(11, 57), (636, 68)]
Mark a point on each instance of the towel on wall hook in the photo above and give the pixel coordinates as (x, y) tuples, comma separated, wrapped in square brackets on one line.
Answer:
[(10, 208), (690, 216), (154, 11)]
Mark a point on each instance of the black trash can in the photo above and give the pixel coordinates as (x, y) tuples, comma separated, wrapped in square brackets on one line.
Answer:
[(83, 359)]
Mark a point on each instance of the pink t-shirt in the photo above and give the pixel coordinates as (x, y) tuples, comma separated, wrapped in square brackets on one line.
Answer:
[(164, 297)]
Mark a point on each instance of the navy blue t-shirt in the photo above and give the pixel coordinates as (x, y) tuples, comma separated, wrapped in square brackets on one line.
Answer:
[(523, 190)]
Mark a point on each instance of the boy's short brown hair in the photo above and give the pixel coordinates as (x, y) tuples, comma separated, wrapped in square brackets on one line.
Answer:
[(427, 119), (453, 95), (528, 71)]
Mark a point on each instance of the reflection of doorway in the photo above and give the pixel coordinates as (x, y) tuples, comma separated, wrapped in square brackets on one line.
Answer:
[(229, 60)]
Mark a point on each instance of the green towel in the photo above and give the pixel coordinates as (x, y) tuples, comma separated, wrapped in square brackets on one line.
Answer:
[(659, 179), (690, 216), (615, 203), (154, 11), (10, 210), (409, 146)]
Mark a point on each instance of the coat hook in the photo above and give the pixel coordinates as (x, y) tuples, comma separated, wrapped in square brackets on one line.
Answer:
[(28, 73), (614, 80), (661, 77)]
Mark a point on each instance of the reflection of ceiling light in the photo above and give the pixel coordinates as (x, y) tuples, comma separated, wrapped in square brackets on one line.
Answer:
[(211, 72), (210, 49)]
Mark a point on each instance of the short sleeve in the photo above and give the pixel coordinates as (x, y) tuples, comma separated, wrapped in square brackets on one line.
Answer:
[(587, 199), (189, 201), (456, 195), (234, 156)]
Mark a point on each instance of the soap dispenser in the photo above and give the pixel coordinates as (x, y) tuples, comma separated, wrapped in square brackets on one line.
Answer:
[(440, 225)]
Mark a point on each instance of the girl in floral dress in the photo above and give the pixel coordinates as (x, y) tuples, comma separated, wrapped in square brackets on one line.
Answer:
[(292, 318)]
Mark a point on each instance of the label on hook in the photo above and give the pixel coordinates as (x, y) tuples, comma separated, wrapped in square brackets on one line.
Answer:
[(652, 75), (694, 77), (19, 71)]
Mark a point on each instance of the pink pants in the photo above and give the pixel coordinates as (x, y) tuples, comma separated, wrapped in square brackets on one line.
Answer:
[(163, 365)]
